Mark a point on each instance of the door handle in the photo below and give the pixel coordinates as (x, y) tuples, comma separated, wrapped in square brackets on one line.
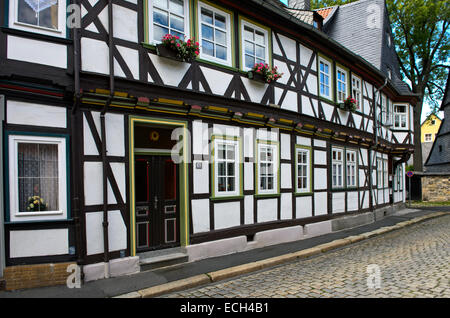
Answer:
[(156, 202)]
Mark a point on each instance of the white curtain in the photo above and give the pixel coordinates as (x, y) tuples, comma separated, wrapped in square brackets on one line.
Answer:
[(40, 5)]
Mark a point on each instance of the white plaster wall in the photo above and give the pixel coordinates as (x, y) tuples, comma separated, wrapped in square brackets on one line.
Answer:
[(39, 243), (248, 209), (227, 215), (285, 146), (22, 113), (248, 175), (320, 157), (173, 71), (117, 231), (303, 207), (201, 177), (286, 206), (36, 51), (266, 134), (127, 20), (226, 130), (115, 134), (248, 142), (94, 233), (320, 203), (218, 81), (303, 141), (94, 56), (320, 143), (200, 215), (352, 200), (320, 178), (338, 204), (200, 138), (267, 210), (286, 179)]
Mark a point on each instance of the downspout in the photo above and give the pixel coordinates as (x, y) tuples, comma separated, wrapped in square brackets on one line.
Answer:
[(75, 142), (103, 138), (376, 141)]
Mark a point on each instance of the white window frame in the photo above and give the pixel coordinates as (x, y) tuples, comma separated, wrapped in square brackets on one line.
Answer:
[(308, 169), (357, 92), (229, 60), (345, 83), (349, 164), (275, 163), (384, 107), (379, 173), (385, 173), (150, 22), (237, 177), (14, 20), (245, 23), (17, 215), (329, 75), (335, 164), (401, 115)]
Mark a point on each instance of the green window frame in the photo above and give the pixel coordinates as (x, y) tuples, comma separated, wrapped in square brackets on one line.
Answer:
[(226, 166), (267, 176), (250, 43), (303, 169)]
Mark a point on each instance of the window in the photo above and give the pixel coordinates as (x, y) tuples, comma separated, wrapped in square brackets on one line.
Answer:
[(168, 17), (255, 45), (356, 91), (400, 114), (226, 167), (433, 122), (385, 174), (384, 106), (398, 184), (303, 161), (42, 16), (351, 166), (267, 168), (324, 78), (341, 77), (428, 137), (389, 73), (337, 168), (379, 173), (37, 167), (214, 34)]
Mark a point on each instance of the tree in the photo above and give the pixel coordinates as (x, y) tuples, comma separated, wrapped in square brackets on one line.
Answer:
[(421, 35)]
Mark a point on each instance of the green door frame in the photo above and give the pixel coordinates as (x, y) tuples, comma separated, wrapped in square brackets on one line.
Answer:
[(183, 179)]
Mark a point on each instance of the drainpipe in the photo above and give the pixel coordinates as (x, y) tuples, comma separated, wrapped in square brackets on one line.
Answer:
[(75, 154), (103, 137), (376, 141)]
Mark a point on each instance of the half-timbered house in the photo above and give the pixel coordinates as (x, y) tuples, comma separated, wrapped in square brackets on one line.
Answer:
[(114, 153)]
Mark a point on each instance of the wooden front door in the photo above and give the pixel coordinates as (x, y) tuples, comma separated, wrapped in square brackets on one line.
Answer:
[(157, 213)]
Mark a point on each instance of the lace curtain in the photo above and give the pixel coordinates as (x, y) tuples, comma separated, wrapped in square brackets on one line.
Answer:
[(38, 176), (42, 13)]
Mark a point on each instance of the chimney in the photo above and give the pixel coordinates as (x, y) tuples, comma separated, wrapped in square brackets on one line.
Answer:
[(300, 4)]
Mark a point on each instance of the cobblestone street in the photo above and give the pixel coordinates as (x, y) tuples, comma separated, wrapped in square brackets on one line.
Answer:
[(413, 262)]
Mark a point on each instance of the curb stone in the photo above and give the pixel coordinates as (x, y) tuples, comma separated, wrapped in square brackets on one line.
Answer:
[(234, 271)]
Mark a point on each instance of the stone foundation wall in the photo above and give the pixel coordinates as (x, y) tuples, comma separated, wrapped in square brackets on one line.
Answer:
[(436, 188)]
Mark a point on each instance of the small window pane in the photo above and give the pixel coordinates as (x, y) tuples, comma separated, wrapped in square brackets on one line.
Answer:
[(208, 48), (221, 52), (207, 32), (177, 6), (260, 52), (220, 21), (159, 32), (177, 23), (160, 4), (249, 61), (249, 48), (248, 34), (160, 17), (259, 38), (221, 37), (207, 16)]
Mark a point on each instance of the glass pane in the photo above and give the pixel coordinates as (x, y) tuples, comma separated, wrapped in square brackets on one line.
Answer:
[(221, 37), (207, 16), (270, 183), (177, 6), (221, 186), (207, 48), (259, 61), (220, 21), (249, 48), (177, 23), (259, 38), (173, 32), (231, 184), (38, 177), (221, 52), (160, 4), (230, 169), (261, 52), (248, 34), (207, 32), (221, 169), (249, 61), (221, 151), (160, 17), (263, 183), (230, 152), (40, 13), (322, 67), (159, 32)]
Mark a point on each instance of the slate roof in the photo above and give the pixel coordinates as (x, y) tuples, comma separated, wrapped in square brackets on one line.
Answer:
[(446, 99), (353, 26)]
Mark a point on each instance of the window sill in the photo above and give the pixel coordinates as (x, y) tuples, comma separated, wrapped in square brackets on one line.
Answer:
[(303, 194), (268, 195), (224, 198), (28, 214), (34, 35)]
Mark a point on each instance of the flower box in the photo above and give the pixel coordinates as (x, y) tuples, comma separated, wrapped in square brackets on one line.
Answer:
[(164, 51), (348, 105), (256, 76)]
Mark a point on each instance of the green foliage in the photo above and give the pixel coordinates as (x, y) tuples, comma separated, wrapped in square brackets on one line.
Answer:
[(409, 168), (316, 4), (421, 34)]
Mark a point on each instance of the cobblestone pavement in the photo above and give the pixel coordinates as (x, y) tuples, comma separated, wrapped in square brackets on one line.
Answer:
[(412, 262)]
